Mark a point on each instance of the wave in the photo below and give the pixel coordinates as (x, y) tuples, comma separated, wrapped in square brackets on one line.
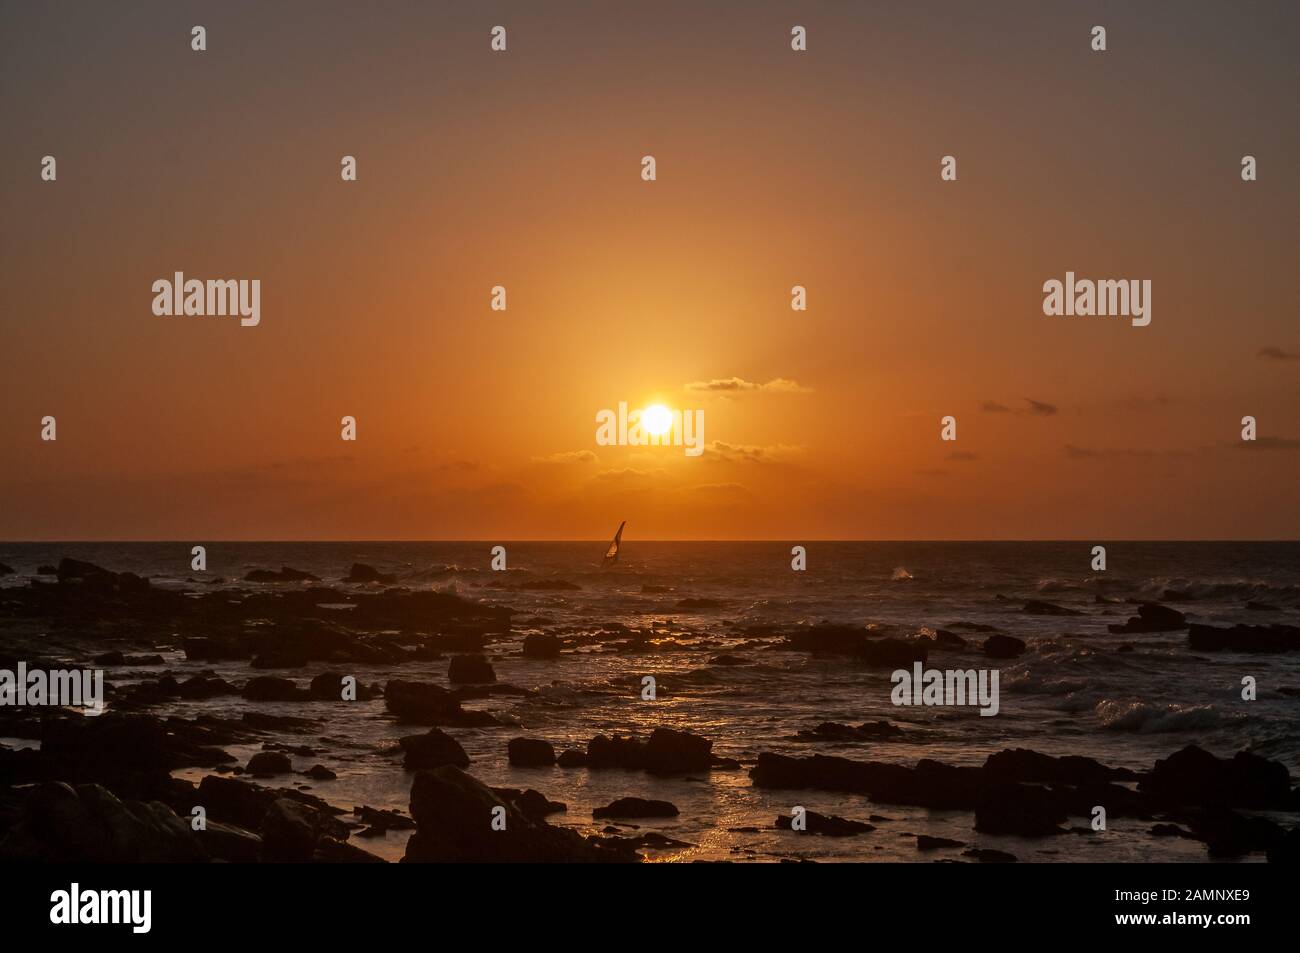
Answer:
[(1146, 718)]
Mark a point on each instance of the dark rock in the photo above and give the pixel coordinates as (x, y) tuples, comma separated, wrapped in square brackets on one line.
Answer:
[(265, 764), (828, 825), (284, 575), (470, 669), (1021, 764), (1193, 776), (272, 688), (532, 804), (572, 758), (328, 686), (926, 842), (1020, 809), (288, 833), (1003, 646), (540, 645), (426, 704), (944, 637), (361, 573), (1243, 638), (110, 658), (59, 823), (1036, 607), (829, 639), (454, 814), (830, 731), (615, 752), (1261, 607), (675, 752), (318, 772), (6, 570), (432, 750), (636, 807), (987, 855), (330, 850), (530, 753), (893, 653), (230, 843), (1152, 617)]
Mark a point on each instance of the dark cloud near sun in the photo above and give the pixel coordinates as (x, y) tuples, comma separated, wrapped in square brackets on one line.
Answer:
[(1273, 353)]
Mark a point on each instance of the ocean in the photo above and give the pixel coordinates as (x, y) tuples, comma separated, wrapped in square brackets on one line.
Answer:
[(1125, 700)]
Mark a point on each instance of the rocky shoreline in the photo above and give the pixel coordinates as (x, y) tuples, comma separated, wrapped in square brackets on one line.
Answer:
[(104, 788)]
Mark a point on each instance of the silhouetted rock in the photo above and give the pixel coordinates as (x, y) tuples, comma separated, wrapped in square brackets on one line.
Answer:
[(286, 574), (827, 639), (59, 823), (1243, 638), (318, 772), (926, 842), (893, 653), (470, 670), (1037, 607), (245, 804), (427, 704), (573, 758), (1152, 617), (361, 573), (1003, 646), (636, 807), (1193, 776), (288, 833), (454, 814), (1021, 809), (615, 752), (828, 825), (265, 764), (6, 570), (1227, 833), (540, 645), (987, 855), (1021, 764), (676, 752), (944, 637), (530, 753), (829, 731), (432, 750), (272, 688), (532, 804)]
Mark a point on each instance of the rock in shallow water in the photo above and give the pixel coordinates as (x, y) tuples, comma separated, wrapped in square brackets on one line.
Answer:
[(432, 750), (454, 814), (636, 807), (530, 753)]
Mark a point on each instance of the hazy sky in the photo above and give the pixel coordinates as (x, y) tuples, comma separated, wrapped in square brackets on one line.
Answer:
[(522, 169)]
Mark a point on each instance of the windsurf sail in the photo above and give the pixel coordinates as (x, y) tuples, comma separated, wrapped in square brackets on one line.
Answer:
[(611, 554)]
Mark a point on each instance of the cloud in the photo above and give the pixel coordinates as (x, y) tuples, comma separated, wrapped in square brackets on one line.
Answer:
[(736, 385), (623, 475), (1269, 443), (567, 456), (1272, 353), (1037, 408), (1088, 453), (745, 453), (721, 489)]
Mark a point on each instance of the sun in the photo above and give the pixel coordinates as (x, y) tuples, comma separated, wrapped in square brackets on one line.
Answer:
[(656, 420)]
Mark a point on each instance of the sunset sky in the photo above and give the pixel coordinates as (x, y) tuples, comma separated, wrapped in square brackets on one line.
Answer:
[(522, 169)]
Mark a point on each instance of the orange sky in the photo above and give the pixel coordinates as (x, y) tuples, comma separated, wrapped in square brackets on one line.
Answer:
[(522, 169)]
